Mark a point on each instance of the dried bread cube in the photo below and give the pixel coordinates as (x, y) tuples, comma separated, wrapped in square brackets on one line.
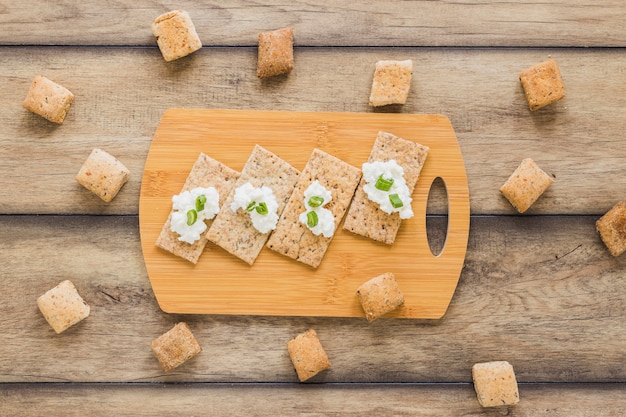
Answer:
[(175, 347), (205, 172), (48, 99), (495, 384), (175, 34), (62, 306), (292, 238), (612, 229), (527, 183), (275, 55), (307, 355), (365, 217), (391, 83), (379, 296), (542, 84), (103, 175)]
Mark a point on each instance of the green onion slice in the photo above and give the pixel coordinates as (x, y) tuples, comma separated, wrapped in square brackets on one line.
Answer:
[(251, 206), (383, 184), (200, 201), (395, 200), (192, 216), (316, 201), (262, 209), (311, 219)]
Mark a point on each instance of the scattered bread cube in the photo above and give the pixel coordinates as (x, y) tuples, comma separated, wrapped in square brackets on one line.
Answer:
[(495, 384), (103, 175), (542, 84), (527, 183), (175, 347), (391, 83), (612, 229), (62, 306), (275, 54), (48, 99), (379, 296), (307, 354), (175, 34)]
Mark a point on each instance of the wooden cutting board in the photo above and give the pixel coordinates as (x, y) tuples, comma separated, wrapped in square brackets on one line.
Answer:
[(276, 285)]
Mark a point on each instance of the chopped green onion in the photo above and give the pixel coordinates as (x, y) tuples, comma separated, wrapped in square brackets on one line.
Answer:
[(311, 219), (262, 209), (251, 206), (192, 216), (395, 200), (316, 201), (200, 201), (384, 184)]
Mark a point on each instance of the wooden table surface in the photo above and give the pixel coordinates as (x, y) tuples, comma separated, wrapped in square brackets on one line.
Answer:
[(539, 290)]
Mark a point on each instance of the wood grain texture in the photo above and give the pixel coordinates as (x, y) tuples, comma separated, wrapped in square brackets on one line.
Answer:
[(275, 285), (480, 94), (541, 292), (435, 400), (325, 23)]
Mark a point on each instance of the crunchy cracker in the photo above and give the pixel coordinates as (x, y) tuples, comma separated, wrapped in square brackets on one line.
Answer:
[(175, 34), (48, 99), (62, 306), (542, 84), (527, 183), (379, 296), (364, 217), (495, 384), (391, 83), (103, 175), (612, 229), (275, 55), (205, 172), (234, 231), (291, 237), (175, 347), (307, 355)]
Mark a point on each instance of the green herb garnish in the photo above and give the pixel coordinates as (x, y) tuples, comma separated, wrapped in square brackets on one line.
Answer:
[(192, 217), (200, 201), (316, 201), (395, 200), (251, 206), (311, 219), (383, 184), (261, 208)]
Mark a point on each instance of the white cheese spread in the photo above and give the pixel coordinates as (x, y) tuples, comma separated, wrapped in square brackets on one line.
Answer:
[(191, 209), (385, 185), (260, 203), (318, 219)]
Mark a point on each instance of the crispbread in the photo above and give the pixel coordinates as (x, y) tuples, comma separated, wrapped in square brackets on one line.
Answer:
[(292, 238), (307, 355), (391, 83), (48, 99), (542, 84), (103, 174), (62, 306), (495, 384), (379, 296), (365, 217), (612, 229), (175, 34), (527, 183), (275, 55), (234, 231), (175, 347), (206, 172)]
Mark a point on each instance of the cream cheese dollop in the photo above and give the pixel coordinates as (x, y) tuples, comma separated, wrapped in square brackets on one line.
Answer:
[(189, 226), (260, 203), (389, 172), (317, 194)]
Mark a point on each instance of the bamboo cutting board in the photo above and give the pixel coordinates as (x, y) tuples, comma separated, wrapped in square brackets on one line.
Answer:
[(276, 285)]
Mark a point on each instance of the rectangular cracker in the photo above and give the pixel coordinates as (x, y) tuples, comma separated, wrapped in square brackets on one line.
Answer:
[(206, 172), (364, 217), (291, 237), (234, 231)]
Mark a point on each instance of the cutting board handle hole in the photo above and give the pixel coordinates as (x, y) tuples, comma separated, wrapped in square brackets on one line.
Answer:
[(437, 216)]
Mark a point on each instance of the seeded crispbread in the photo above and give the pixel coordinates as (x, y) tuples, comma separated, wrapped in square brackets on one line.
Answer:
[(365, 217), (206, 172), (291, 237), (175, 347), (62, 306), (307, 355), (379, 296), (234, 231)]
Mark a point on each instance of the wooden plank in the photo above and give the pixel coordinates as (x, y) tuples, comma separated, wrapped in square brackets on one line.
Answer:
[(326, 23), (121, 95), (276, 285), (136, 400), (541, 292)]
